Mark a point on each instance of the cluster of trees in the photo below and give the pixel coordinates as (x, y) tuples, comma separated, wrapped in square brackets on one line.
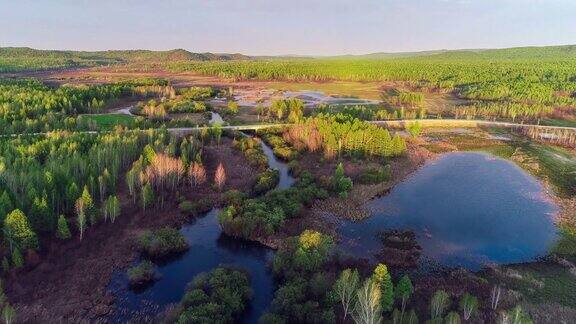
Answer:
[(408, 98), (374, 112), (503, 110), (219, 296), (265, 215), (334, 135), (313, 289), (163, 168), (50, 182), (159, 109), (185, 100), (304, 294), (252, 149), (27, 105), (291, 109)]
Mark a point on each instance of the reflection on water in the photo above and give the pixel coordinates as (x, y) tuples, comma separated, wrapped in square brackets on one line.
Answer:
[(467, 209), (209, 248), (286, 180)]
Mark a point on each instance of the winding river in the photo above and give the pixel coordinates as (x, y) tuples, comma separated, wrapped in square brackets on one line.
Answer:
[(209, 248)]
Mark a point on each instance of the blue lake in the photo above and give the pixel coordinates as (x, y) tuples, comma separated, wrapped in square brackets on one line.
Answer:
[(466, 209)]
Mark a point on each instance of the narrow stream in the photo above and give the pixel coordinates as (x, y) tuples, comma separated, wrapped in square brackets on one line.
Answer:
[(215, 118), (209, 248), (286, 180)]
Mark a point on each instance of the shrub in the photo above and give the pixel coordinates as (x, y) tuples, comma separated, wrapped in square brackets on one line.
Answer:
[(253, 152), (266, 181), (195, 209), (162, 242), (280, 147), (375, 175), (219, 296), (340, 182), (142, 274), (414, 129), (234, 197)]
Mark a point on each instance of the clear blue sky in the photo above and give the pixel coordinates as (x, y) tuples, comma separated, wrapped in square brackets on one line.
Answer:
[(319, 27)]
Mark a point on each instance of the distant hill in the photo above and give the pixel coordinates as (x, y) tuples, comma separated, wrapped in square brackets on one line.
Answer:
[(23, 58), (534, 52), (14, 59)]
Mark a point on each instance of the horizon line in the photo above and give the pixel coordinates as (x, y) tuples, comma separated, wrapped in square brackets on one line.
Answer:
[(293, 54)]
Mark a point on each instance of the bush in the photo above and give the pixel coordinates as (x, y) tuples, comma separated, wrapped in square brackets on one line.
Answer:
[(142, 274), (375, 175), (195, 208), (162, 242), (253, 152), (219, 296), (234, 197), (266, 181), (266, 214), (295, 168), (280, 147), (414, 129), (340, 182)]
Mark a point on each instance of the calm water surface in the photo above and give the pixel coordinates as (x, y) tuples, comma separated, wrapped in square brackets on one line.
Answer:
[(209, 248), (467, 209)]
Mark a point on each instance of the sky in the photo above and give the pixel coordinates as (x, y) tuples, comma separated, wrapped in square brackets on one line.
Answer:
[(280, 27)]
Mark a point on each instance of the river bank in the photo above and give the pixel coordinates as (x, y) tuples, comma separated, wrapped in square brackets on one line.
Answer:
[(69, 282)]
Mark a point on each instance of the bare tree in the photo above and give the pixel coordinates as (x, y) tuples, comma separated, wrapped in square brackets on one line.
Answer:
[(81, 213), (220, 177), (346, 287), (197, 174), (367, 309), (495, 298)]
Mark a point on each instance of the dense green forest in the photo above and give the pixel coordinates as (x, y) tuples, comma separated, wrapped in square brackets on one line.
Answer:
[(490, 79), (16, 59)]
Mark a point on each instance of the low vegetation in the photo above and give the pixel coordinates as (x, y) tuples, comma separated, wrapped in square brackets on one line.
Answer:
[(162, 242), (219, 296), (142, 274), (264, 216)]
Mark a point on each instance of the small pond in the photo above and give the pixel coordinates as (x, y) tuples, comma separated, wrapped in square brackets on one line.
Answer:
[(466, 209)]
